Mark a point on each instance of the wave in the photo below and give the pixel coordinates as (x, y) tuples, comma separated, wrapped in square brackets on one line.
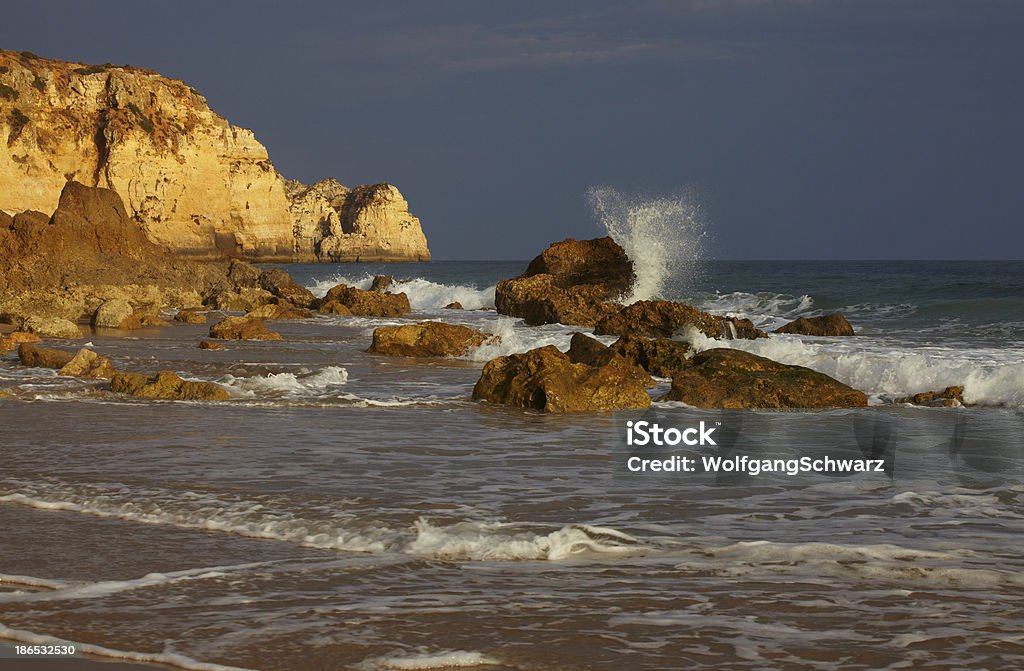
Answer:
[(451, 659), (664, 237), (767, 310), (166, 658), (989, 377), (424, 295), (513, 339), (301, 384), (324, 527)]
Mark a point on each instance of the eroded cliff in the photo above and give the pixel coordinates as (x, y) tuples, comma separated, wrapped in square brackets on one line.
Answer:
[(197, 185)]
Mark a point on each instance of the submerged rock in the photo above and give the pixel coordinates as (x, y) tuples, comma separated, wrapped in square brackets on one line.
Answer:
[(950, 397), (427, 339), (166, 386), (662, 319), (209, 344), (242, 328), (15, 338), (43, 357), (191, 316), (454, 305), (546, 379), (365, 303), (729, 378), (87, 363), (826, 325)]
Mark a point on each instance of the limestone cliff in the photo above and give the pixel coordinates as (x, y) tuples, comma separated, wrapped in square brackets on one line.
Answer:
[(197, 185)]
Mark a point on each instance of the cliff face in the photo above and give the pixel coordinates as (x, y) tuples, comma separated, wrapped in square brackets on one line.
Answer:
[(196, 184)]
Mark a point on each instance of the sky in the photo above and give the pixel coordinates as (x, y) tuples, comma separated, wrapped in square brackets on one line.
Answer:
[(801, 129)]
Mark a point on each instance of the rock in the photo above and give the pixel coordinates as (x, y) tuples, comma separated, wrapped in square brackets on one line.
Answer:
[(242, 328), (382, 283), (209, 344), (538, 300), (42, 357), (592, 352), (729, 378), (372, 223), (546, 379), (5, 393), (87, 363), (600, 262), (243, 275), (245, 299), (140, 320), (112, 314), (427, 339), (335, 308), (366, 303), (454, 305), (663, 319), (191, 316), (572, 282), (826, 325), (167, 386), (278, 311), (52, 327), (280, 284), (950, 397), (15, 338), (658, 356)]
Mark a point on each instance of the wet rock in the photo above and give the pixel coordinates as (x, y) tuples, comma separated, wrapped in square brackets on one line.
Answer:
[(950, 397), (166, 386), (365, 303), (826, 325), (112, 314), (43, 357), (382, 283), (52, 327), (545, 379), (592, 352), (572, 282), (191, 316), (209, 344), (538, 300), (244, 299), (663, 319), (728, 378), (281, 284), (15, 338), (279, 311), (5, 393), (87, 363), (243, 275), (427, 339), (454, 305), (335, 308), (242, 328), (658, 356)]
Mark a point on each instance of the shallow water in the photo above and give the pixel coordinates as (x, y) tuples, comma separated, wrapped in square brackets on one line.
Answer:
[(347, 510)]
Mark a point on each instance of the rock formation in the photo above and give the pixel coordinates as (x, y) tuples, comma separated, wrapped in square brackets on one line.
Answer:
[(729, 378), (197, 185), (345, 300), (427, 339), (242, 328), (826, 325), (663, 319)]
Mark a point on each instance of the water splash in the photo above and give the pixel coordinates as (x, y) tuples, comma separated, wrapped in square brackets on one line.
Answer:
[(663, 236)]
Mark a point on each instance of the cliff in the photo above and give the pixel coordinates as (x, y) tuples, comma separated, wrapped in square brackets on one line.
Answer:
[(196, 184)]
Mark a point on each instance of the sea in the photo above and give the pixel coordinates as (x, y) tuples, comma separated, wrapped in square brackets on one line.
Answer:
[(348, 510)]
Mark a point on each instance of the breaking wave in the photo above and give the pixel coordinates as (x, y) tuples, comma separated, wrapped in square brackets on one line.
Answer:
[(423, 294)]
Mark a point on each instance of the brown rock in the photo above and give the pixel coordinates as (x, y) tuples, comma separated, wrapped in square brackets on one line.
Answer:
[(950, 397), (335, 308), (663, 319), (242, 328), (140, 320), (167, 386), (546, 379), (600, 262), (87, 363), (427, 339), (281, 284), (42, 357), (209, 344), (826, 325), (191, 316), (728, 378), (5, 393), (15, 338), (592, 352), (112, 314), (244, 299), (382, 283), (243, 275), (367, 303), (52, 327), (538, 300), (659, 356), (454, 305), (280, 311)]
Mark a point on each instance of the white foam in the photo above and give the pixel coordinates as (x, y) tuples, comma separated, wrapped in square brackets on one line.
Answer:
[(424, 295), (303, 383), (989, 377), (664, 237), (766, 310), (451, 659), (168, 658), (513, 339)]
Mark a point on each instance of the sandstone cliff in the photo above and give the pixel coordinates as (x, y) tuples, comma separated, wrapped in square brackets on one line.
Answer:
[(197, 185)]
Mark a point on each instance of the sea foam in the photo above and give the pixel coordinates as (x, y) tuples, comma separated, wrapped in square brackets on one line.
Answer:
[(424, 295)]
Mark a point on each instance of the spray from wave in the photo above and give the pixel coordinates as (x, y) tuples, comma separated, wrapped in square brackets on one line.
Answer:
[(664, 237)]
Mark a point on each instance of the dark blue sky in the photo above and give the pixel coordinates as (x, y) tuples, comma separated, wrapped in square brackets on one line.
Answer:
[(808, 128)]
